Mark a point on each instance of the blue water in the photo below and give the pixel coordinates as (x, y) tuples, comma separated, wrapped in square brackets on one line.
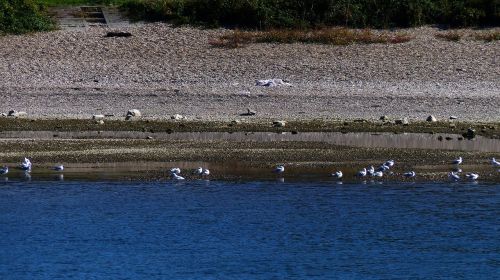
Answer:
[(249, 230)]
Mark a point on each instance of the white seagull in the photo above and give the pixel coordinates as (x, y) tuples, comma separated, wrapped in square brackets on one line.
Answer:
[(279, 169), (370, 170), (410, 174), (378, 174), (457, 161), (337, 174), (175, 170), (389, 163), (383, 168), (472, 176), (26, 165), (198, 171), (4, 170), (205, 172), (362, 173), (453, 176), (58, 168), (174, 176), (495, 163)]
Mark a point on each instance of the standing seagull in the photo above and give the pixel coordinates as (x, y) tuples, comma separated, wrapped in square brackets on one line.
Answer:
[(361, 173), (457, 161), (205, 172), (4, 170), (378, 174), (370, 170), (26, 165), (389, 163), (453, 176), (410, 174), (337, 174), (198, 171), (58, 168), (279, 169), (472, 176), (175, 170)]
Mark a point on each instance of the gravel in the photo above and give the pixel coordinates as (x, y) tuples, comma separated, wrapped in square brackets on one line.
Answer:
[(162, 71)]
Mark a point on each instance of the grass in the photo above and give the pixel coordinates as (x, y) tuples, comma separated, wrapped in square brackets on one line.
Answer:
[(52, 3), (453, 36), (330, 36), (488, 36)]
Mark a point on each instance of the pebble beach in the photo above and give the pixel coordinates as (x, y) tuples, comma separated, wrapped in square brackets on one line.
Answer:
[(163, 70)]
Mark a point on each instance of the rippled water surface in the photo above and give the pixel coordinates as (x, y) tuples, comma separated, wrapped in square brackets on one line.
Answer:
[(249, 230)]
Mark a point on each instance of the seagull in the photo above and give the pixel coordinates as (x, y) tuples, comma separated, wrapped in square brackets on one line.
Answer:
[(279, 169), (58, 168), (389, 163), (378, 174), (494, 162), (175, 170), (26, 165), (205, 172), (472, 176), (370, 170), (198, 171), (174, 176), (457, 161), (337, 174), (383, 168), (410, 174), (453, 176), (4, 170), (362, 173)]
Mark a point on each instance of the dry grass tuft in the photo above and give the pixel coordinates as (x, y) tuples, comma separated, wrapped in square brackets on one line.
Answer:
[(453, 36), (487, 36), (331, 36)]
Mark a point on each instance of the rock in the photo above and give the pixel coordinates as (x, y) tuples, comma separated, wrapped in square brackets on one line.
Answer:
[(235, 122), (177, 117), (279, 123), (384, 118), (99, 122), (295, 132), (3, 115), (448, 138), (133, 114), (16, 114), (453, 117), (118, 34), (149, 137), (440, 138), (470, 134), (452, 125), (403, 121), (97, 117), (431, 118)]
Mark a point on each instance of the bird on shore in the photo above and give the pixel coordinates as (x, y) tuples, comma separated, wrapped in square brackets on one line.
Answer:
[(205, 172), (198, 171), (4, 170), (472, 176), (279, 169), (457, 161), (378, 174), (174, 176), (410, 174), (175, 170), (389, 163), (58, 168), (453, 176), (495, 163), (26, 165), (362, 173), (337, 174), (383, 168), (370, 170)]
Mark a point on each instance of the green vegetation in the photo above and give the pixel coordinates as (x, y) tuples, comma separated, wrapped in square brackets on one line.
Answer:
[(22, 16), (266, 14), (332, 36), (80, 2)]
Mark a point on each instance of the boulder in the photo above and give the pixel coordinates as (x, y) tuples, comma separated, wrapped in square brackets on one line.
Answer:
[(279, 123), (384, 118), (16, 114), (431, 118), (403, 121), (133, 114), (470, 134), (177, 117)]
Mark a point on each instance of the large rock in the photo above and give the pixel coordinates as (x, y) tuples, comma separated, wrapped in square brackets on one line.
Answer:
[(133, 114), (16, 114), (431, 118)]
